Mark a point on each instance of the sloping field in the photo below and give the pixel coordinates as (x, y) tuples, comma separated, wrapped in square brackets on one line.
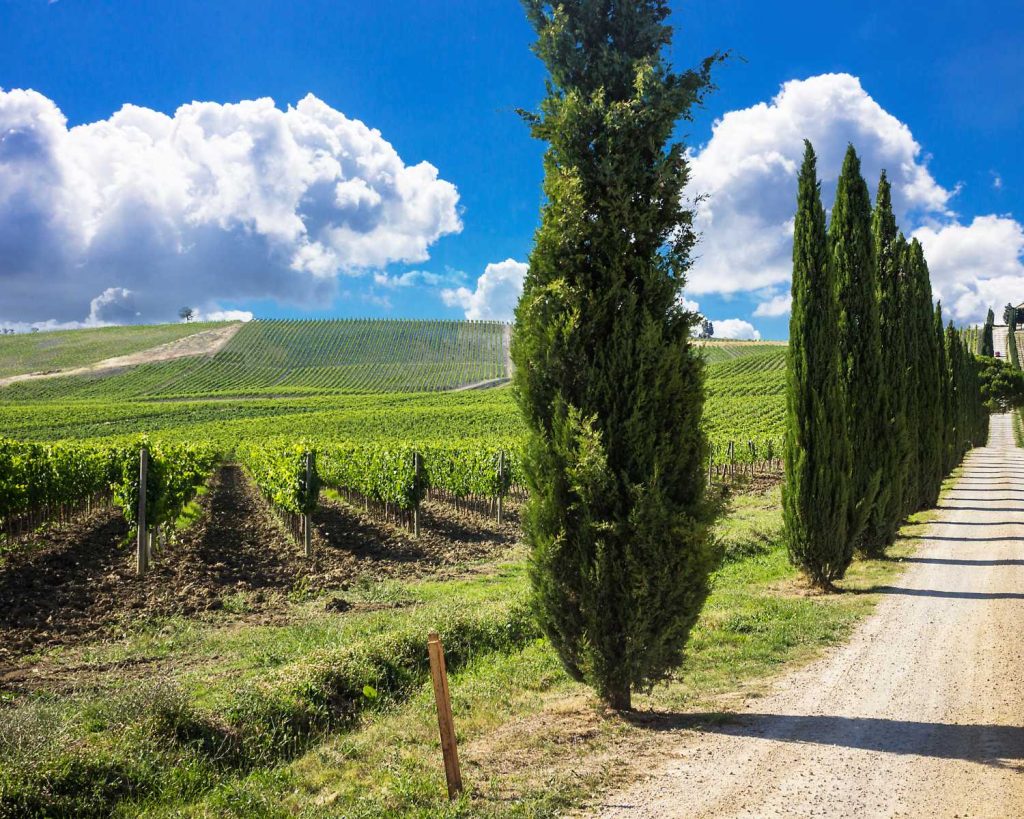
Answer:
[(66, 349), (307, 358), (717, 352)]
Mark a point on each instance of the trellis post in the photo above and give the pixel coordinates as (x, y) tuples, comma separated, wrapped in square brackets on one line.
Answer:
[(142, 546), (307, 518)]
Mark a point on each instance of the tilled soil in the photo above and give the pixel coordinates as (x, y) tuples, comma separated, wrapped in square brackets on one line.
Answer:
[(920, 714), (78, 582)]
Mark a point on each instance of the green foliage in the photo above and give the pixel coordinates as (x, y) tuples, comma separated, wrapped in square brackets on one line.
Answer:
[(606, 376), (816, 494), (174, 473), (36, 477), (865, 387), (279, 470), (1002, 385)]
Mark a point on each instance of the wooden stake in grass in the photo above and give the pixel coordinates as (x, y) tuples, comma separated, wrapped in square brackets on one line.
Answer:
[(501, 478), (142, 546), (307, 519), (445, 725)]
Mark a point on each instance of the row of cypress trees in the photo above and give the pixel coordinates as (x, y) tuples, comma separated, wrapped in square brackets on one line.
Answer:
[(882, 399)]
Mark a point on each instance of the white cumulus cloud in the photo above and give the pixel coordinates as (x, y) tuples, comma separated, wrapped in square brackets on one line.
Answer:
[(748, 171), (496, 294), (775, 306), (735, 329), (976, 266), (216, 202)]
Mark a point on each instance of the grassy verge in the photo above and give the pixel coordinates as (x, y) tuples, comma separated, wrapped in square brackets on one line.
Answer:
[(320, 712)]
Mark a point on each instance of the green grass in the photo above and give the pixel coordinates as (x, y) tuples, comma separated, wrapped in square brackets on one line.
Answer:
[(326, 715), (63, 349)]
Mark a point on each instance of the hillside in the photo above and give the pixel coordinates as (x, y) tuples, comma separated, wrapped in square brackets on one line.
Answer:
[(275, 357), (66, 349)]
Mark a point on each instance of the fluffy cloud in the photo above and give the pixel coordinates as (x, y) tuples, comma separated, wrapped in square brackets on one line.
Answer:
[(411, 278), (976, 266), (748, 170), (225, 315), (496, 295), (775, 306), (217, 202), (735, 329)]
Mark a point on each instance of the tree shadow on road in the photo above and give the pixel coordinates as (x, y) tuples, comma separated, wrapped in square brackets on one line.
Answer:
[(1000, 746), (957, 561), (953, 595)]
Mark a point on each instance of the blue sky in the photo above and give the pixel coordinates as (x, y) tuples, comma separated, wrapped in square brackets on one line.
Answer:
[(440, 82)]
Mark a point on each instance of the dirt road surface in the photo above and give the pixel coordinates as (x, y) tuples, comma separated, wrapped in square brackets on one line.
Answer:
[(920, 714)]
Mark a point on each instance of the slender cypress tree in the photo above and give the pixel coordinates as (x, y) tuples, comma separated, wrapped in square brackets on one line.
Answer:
[(911, 477), (606, 376), (945, 408), (860, 352), (987, 344), (927, 364), (817, 450), (894, 445)]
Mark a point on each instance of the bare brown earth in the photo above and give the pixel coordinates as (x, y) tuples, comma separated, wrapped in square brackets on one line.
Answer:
[(920, 714), (205, 342), (75, 583)]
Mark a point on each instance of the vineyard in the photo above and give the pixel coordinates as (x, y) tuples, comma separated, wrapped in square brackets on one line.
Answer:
[(271, 357)]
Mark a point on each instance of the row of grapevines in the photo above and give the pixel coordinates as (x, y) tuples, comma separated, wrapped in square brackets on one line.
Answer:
[(34, 477), (483, 470), (387, 473), (174, 473), (381, 472), (279, 470)]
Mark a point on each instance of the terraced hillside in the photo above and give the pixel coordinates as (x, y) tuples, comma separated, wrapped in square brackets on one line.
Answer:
[(65, 349), (272, 357)]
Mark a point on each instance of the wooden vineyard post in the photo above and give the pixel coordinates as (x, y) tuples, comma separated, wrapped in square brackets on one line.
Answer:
[(416, 509), (445, 725), (307, 518), (501, 484), (142, 547)]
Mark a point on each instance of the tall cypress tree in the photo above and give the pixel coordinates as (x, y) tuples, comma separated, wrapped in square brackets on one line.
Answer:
[(929, 421), (894, 445), (945, 408), (987, 344), (606, 376), (911, 477), (860, 351), (817, 450)]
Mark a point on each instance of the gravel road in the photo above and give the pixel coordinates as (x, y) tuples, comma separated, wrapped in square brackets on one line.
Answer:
[(920, 714)]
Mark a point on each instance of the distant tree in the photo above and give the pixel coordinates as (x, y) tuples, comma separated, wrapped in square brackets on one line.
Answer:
[(860, 350), (817, 454), (987, 344), (707, 329), (186, 314), (608, 380)]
